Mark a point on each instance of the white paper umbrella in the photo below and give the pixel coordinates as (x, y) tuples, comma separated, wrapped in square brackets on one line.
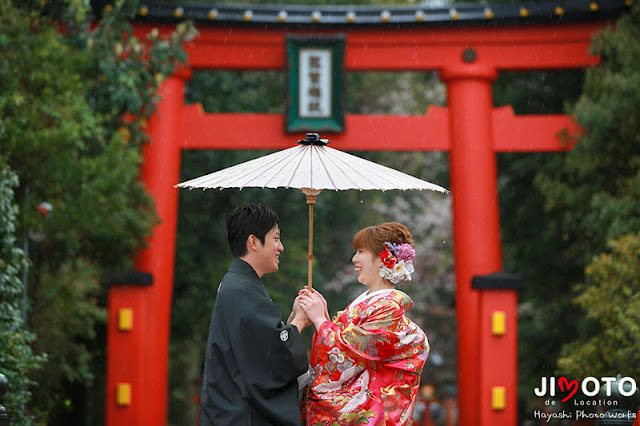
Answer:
[(311, 166)]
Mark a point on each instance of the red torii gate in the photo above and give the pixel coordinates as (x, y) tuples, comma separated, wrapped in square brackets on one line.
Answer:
[(468, 57)]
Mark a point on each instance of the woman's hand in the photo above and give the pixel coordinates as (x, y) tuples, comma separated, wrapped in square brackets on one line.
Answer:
[(314, 305), (324, 302)]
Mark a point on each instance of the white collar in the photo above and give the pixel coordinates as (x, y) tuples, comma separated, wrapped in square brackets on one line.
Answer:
[(368, 294)]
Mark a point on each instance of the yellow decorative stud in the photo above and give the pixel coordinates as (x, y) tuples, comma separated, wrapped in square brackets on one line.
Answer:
[(125, 319), (351, 17), (419, 15), (524, 12), (247, 16), (316, 16), (123, 394), (498, 397), (593, 6), (498, 323), (282, 16), (453, 14), (488, 13), (559, 10), (178, 12), (385, 16), (144, 11), (213, 14)]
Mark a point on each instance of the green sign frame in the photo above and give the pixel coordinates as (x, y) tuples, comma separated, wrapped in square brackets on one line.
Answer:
[(313, 106)]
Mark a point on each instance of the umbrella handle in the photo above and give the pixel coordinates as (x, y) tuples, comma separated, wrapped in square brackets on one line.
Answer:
[(310, 268), (311, 194)]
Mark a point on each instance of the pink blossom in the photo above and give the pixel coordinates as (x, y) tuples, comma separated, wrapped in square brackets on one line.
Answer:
[(405, 252)]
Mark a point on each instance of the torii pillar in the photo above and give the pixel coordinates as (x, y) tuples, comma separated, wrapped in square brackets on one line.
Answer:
[(140, 313), (476, 236)]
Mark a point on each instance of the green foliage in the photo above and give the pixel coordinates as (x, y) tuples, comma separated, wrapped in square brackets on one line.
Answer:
[(611, 301), (596, 184), (72, 118), (601, 183), (70, 295), (64, 153), (17, 359), (395, 93), (536, 92), (228, 91)]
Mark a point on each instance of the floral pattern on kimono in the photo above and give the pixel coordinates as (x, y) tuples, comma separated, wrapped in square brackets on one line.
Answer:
[(367, 364)]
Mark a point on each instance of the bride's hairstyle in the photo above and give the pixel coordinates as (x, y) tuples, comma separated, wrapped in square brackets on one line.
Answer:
[(372, 238)]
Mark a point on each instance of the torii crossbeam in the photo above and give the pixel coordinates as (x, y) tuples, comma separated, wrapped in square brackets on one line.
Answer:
[(468, 45)]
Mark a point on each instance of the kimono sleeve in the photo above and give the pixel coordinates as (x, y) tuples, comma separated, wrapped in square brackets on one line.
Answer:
[(269, 353), (377, 335)]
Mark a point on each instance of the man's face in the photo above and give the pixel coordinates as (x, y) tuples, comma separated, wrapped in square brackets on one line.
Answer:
[(269, 252)]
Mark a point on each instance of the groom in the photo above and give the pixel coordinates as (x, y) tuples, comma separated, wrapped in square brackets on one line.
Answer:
[(252, 358)]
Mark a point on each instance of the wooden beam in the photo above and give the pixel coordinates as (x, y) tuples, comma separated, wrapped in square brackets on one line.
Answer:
[(532, 133), (267, 131), (533, 47), (429, 132)]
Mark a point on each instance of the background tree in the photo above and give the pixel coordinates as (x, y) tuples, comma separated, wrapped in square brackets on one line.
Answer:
[(17, 359), (596, 198), (611, 344), (73, 106)]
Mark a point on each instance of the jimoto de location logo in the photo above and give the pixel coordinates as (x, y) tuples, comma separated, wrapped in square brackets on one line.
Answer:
[(590, 387), (590, 398)]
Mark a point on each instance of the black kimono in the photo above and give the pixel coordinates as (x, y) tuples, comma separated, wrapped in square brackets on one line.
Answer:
[(252, 359)]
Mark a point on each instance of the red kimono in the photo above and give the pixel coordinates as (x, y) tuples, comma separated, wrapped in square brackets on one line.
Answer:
[(367, 363)]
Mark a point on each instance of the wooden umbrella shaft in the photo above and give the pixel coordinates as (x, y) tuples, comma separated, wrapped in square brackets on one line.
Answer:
[(311, 194), (310, 269)]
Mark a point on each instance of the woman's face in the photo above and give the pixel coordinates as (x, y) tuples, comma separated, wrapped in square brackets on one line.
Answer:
[(367, 265)]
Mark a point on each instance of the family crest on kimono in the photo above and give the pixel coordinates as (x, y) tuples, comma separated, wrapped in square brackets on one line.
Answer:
[(368, 360)]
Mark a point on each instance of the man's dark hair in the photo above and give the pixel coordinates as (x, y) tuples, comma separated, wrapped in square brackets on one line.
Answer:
[(251, 219)]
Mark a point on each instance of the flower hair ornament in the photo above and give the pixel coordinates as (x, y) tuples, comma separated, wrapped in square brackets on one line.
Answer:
[(397, 262)]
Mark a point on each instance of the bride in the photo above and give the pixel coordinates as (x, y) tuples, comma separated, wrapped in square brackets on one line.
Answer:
[(368, 361)]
